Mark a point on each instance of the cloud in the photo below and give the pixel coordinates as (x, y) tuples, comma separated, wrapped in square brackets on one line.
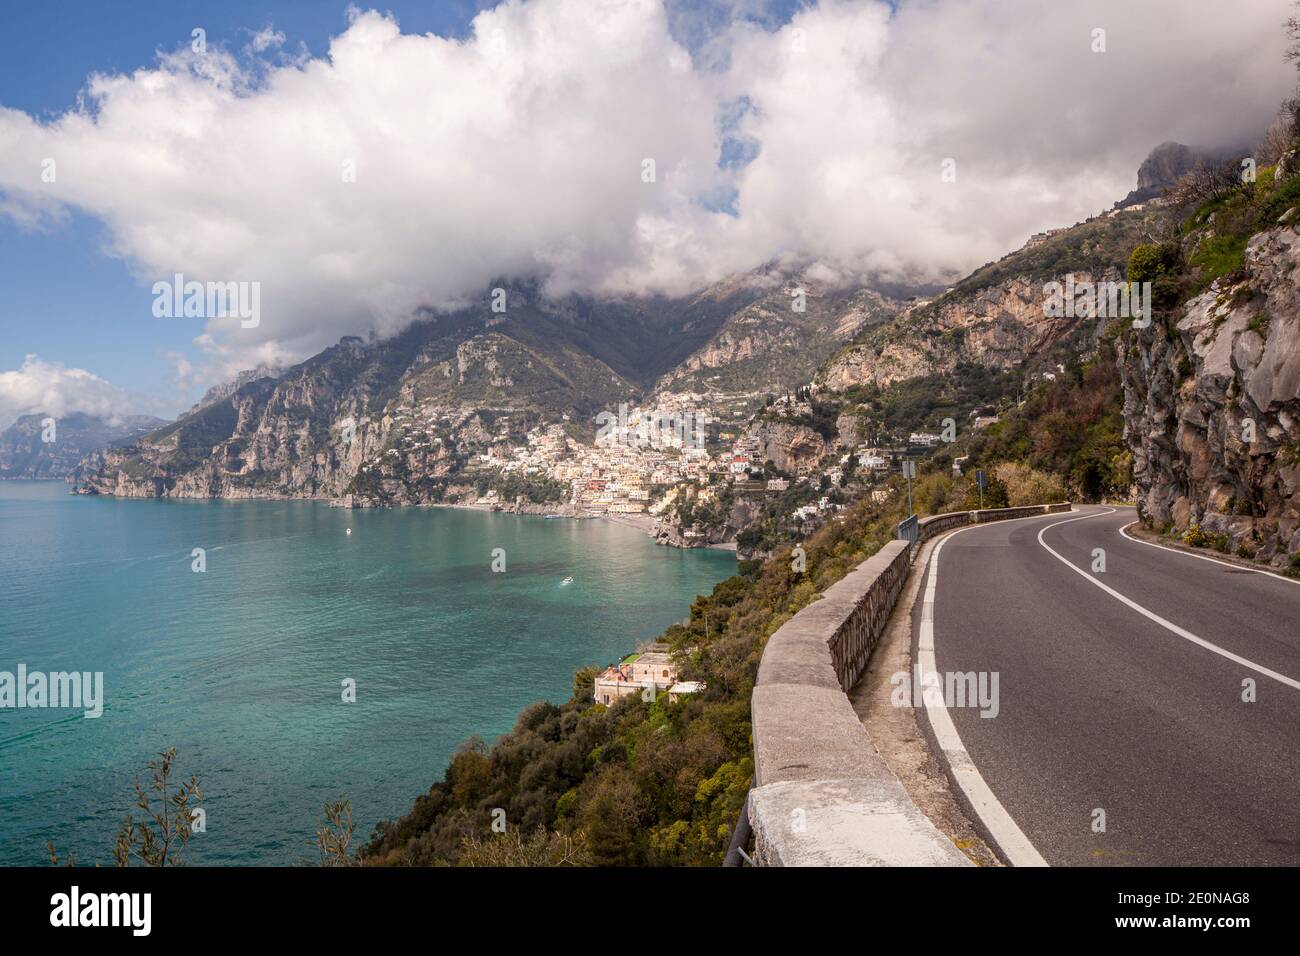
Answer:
[(51, 388), (519, 151), (856, 109), (266, 39)]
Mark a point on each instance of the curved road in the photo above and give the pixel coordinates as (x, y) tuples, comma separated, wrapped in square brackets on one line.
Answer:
[(1104, 705)]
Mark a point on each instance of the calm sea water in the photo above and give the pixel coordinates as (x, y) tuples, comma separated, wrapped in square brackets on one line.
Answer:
[(240, 667)]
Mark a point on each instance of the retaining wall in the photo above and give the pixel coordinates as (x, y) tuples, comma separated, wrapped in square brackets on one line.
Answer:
[(822, 794)]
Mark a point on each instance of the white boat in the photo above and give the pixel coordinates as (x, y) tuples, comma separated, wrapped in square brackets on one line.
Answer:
[(568, 580), (349, 530)]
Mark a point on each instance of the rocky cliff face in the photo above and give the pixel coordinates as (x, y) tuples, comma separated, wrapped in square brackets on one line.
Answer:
[(217, 392), (379, 422), (996, 317), (1002, 327), (792, 447), (1163, 167), (778, 340), (1160, 170), (1212, 405)]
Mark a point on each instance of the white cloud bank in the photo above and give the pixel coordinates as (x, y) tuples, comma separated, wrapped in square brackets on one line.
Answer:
[(519, 150), (48, 387)]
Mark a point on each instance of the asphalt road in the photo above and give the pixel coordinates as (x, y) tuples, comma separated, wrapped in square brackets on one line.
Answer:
[(1100, 707)]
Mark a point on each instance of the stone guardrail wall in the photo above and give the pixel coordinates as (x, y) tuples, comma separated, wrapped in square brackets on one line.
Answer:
[(1001, 514), (940, 524), (822, 794)]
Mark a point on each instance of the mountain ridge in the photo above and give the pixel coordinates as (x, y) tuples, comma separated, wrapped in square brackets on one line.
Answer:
[(461, 375)]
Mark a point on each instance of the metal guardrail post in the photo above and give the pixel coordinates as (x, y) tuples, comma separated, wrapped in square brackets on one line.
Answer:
[(908, 530), (736, 855)]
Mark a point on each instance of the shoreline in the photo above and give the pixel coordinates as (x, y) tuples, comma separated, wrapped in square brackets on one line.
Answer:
[(641, 522), (650, 526)]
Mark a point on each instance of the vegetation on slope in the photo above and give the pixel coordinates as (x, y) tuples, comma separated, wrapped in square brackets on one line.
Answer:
[(1072, 428), (637, 782), (921, 404), (1227, 207), (1098, 247)]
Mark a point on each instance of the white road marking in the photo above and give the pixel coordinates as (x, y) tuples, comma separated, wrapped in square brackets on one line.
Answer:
[(1151, 615), (1010, 838), (1205, 557)]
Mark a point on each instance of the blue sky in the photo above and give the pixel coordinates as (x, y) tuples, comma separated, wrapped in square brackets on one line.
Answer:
[(67, 298)]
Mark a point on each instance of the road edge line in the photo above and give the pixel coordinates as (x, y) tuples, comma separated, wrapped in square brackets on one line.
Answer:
[(1153, 616), (1011, 841), (1204, 557)]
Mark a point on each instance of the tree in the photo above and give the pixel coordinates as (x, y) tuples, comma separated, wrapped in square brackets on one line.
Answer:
[(584, 684), (1277, 139), (334, 839), (1151, 261), (470, 772), (1029, 486), (1293, 34), (995, 493), (612, 819), (1206, 182), (54, 855), (159, 839)]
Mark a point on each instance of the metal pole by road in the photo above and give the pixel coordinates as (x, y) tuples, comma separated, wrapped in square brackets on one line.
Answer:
[(736, 855), (909, 472)]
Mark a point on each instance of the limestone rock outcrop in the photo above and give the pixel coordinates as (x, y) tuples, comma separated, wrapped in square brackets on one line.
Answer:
[(1212, 406)]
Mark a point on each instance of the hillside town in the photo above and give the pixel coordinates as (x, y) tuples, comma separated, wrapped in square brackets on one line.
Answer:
[(647, 463)]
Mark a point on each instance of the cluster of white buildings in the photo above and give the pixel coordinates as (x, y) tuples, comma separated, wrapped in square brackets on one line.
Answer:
[(746, 454), (643, 458), (619, 474), (647, 462)]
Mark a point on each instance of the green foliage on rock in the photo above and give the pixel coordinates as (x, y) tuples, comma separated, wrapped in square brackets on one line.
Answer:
[(1096, 247), (537, 489), (1218, 256), (1151, 261), (922, 403)]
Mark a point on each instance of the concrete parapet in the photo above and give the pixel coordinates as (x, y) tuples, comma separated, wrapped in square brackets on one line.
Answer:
[(823, 795)]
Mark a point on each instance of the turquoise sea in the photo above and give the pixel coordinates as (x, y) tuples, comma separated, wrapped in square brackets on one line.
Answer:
[(240, 667)]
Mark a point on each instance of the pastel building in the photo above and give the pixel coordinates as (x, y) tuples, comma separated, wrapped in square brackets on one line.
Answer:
[(648, 673)]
